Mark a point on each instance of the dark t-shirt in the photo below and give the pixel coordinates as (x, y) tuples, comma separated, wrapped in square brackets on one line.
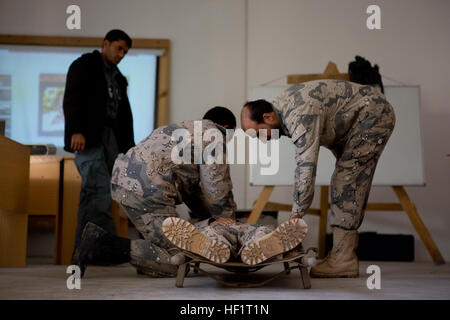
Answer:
[(112, 104)]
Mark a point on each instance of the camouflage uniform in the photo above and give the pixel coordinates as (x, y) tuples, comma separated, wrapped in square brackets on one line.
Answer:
[(149, 185), (354, 122)]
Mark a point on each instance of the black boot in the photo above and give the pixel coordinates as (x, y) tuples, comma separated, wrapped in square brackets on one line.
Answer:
[(100, 248)]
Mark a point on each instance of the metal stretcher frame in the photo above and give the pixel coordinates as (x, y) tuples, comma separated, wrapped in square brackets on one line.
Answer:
[(293, 260)]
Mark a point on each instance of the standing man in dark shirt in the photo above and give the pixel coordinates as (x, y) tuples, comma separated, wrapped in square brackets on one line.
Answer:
[(98, 126)]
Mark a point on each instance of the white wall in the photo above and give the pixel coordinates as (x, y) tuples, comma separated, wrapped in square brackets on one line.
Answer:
[(222, 47), (207, 42)]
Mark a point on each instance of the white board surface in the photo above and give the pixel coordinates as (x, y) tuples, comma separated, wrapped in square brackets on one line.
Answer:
[(400, 164)]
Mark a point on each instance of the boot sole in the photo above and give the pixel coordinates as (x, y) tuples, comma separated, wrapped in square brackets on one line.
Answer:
[(285, 237), (185, 236)]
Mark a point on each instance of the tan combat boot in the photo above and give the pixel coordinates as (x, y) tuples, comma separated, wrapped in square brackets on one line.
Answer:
[(285, 237), (184, 235), (342, 261)]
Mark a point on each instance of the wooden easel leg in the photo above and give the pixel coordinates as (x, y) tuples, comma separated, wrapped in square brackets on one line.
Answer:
[(324, 206), (418, 224), (260, 204)]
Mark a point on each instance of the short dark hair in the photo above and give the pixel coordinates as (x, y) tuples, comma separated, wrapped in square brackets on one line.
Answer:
[(116, 34), (222, 116), (257, 108), (362, 72)]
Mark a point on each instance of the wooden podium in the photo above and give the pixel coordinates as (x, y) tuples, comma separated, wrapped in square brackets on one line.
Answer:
[(14, 177), (404, 204)]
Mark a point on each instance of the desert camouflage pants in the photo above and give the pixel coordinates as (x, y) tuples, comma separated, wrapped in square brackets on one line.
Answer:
[(152, 254), (357, 158)]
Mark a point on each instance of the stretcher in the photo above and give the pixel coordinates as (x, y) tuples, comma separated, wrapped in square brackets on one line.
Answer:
[(296, 259)]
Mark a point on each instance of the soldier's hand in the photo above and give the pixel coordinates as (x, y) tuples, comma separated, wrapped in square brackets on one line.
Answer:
[(224, 222), (78, 142)]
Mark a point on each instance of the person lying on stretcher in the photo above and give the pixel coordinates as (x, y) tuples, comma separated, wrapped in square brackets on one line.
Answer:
[(251, 243)]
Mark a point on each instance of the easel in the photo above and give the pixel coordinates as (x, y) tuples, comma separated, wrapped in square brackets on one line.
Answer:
[(405, 204)]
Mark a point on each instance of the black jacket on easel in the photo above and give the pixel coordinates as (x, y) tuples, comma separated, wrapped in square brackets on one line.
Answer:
[(85, 101)]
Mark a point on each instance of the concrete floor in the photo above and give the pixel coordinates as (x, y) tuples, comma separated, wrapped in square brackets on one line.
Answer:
[(399, 280)]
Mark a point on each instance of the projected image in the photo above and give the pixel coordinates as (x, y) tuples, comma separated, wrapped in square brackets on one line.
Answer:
[(51, 114), (32, 83)]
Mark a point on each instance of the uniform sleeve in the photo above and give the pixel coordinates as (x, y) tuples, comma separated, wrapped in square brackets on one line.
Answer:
[(74, 96), (306, 155), (216, 186)]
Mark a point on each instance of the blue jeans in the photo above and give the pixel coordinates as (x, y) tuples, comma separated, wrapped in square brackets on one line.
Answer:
[(95, 196)]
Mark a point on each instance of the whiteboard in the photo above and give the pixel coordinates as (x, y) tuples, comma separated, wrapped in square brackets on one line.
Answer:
[(401, 162)]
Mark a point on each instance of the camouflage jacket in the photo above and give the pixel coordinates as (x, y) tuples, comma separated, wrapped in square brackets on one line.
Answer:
[(146, 177), (319, 113)]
